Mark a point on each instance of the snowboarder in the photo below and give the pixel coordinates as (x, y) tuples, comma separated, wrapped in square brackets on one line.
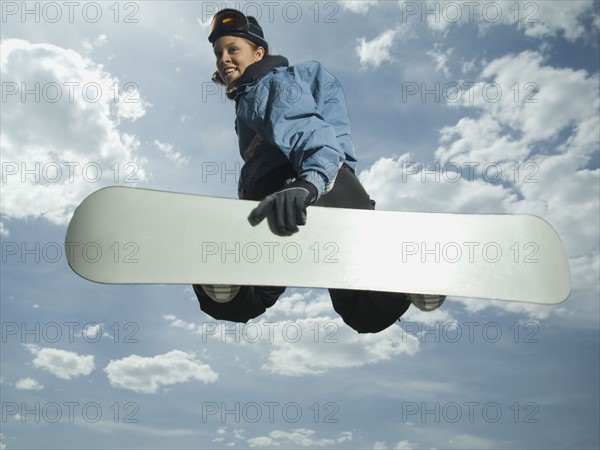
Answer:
[(294, 137)]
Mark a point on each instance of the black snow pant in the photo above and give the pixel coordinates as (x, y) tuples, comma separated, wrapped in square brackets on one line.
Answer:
[(365, 311)]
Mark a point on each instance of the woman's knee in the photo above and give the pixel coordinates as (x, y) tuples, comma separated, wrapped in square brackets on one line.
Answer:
[(369, 311)]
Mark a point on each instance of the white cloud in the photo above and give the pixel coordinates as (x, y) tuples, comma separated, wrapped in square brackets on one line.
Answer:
[(178, 323), (148, 374), (301, 437), (61, 363), (549, 19), (300, 337), (29, 384), (407, 184), (338, 347), (401, 445), (536, 100), (60, 139), (172, 155), (439, 16), (531, 311), (93, 332), (260, 441), (441, 59), (537, 20), (554, 182), (404, 445), (90, 46), (542, 151), (478, 141), (2, 442), (374, 53), (344, 436), (470, 441), (308, 304), (237, 434), (327, 343), (3, 230), (358, 6), (468, 66)]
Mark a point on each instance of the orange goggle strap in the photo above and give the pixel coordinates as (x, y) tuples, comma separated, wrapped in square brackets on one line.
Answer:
[(229, 20)]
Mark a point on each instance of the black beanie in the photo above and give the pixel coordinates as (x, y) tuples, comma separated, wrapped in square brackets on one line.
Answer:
[(254, 34)]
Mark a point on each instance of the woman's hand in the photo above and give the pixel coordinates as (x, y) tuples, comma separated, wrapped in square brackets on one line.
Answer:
[(289, 204)]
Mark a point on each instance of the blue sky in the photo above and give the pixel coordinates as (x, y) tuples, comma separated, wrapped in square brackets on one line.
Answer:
[(104, 93)]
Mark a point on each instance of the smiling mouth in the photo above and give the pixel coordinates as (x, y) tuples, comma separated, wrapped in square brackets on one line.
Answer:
[(229, 71)]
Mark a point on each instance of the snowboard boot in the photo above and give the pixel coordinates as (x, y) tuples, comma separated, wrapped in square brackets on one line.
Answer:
[(427, 302), (221, 293)]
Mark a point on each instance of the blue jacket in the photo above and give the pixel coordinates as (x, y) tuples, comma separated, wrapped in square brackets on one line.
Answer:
[(294, 115)]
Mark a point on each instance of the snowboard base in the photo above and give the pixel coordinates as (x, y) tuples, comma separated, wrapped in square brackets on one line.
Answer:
[(123, 235)]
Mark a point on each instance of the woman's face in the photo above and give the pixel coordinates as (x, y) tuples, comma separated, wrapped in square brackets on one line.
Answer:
[(234, 55)]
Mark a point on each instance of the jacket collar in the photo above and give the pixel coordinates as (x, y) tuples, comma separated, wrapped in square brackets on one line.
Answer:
[(256, 71)]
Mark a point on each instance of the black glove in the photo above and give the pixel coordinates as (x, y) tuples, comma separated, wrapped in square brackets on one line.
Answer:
[(290, 205)]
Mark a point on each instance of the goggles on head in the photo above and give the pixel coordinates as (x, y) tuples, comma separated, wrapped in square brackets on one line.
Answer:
[(230, 22)]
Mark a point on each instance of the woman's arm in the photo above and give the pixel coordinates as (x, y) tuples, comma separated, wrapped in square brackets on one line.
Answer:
[(283, 110)]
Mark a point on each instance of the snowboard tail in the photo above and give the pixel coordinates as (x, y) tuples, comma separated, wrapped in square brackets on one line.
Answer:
[(122, 235)]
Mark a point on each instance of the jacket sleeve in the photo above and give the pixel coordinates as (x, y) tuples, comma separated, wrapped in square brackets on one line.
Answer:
[(287, 115)]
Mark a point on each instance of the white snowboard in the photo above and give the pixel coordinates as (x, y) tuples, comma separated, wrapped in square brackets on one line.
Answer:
[(137, 236)]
